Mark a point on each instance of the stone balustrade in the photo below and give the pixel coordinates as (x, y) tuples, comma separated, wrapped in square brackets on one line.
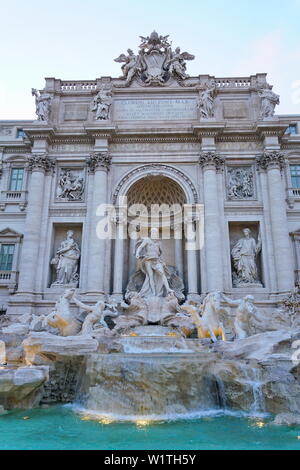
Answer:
[(8, 278), (87, 85), (13, 197), (243, 82)]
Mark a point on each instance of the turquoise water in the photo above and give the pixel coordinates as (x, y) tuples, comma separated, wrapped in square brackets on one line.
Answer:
[(62, 429)]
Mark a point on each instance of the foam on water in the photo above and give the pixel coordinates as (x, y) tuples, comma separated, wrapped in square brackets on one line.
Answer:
[(192, 415)]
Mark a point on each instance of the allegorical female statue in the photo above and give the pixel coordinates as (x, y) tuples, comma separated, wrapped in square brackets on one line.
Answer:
[(66, 262), (206, 101), (43, 104), (269, 100), (244, 255), (149, 255)]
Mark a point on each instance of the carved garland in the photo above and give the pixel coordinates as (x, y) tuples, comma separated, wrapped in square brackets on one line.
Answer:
[(155, 167)]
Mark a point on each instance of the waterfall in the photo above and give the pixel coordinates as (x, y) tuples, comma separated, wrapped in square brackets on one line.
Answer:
[(221, 394), (253, 377)]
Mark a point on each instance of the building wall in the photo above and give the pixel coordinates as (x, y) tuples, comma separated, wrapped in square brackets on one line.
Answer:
[(172, 148)]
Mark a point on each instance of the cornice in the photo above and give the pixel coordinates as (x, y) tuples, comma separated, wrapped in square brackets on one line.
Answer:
[(238, 138), (105, 132), (209, 128), (154, 140), (271, 128), (40, 132), (60, 140), (11, 149)]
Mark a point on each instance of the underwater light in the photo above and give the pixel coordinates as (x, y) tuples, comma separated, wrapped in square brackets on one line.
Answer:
[(106, 421), (85, 418), (142, 422), (259, 424)]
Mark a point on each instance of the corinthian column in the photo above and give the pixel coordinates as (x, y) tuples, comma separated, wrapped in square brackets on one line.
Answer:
[(38, 165), (211, 163), (273, 162), (99, 163)]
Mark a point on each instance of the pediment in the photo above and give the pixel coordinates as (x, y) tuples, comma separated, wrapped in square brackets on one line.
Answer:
[(9, 233)]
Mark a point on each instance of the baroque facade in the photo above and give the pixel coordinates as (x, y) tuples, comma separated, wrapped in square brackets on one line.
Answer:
[(157, 136)]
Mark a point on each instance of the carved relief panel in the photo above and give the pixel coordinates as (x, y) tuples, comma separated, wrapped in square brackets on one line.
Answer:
[(70, 185), (240, 183)]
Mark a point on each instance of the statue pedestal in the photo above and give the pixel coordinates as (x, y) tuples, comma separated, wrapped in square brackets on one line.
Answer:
[(247, 285), (63, 287)]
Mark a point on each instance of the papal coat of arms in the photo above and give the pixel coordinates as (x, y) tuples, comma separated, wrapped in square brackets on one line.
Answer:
[(155, 64)]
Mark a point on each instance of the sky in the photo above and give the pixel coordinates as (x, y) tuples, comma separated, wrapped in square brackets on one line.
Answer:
[(78, 40)]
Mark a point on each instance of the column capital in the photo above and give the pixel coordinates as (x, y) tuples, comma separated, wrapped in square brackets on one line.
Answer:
[(99, 161), (211, 159), (271, 159), (40, 162)]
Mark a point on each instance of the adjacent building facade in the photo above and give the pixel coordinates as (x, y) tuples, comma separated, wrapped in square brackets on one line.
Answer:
[(154, 136)]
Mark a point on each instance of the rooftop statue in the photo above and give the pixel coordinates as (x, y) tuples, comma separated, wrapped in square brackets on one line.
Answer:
[(269, 100), (206, 101), (43, 104), (131, 66), (155, 63), (102, 103)]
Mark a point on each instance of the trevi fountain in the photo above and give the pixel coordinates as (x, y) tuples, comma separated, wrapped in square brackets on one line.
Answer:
[(149, 274)]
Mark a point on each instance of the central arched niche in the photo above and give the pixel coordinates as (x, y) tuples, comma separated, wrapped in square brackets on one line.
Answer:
[(158, 190)]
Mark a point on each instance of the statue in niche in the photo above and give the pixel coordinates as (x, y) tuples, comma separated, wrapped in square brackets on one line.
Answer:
[(130, 67), (240, 183), (151, 263), (244, 255), (102, 103), (66, 262), (43, 104), (206, 101), (96, 315), (153, 270), (269, 100), (70, 187)]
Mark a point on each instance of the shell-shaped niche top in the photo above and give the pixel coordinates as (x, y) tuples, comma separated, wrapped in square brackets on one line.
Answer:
[(155, 190)]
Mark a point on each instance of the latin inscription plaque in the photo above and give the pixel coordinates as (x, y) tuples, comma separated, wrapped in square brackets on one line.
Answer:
[(166, 109)]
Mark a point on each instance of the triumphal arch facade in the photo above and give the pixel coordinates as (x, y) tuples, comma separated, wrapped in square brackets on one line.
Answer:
[(194, 156)]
